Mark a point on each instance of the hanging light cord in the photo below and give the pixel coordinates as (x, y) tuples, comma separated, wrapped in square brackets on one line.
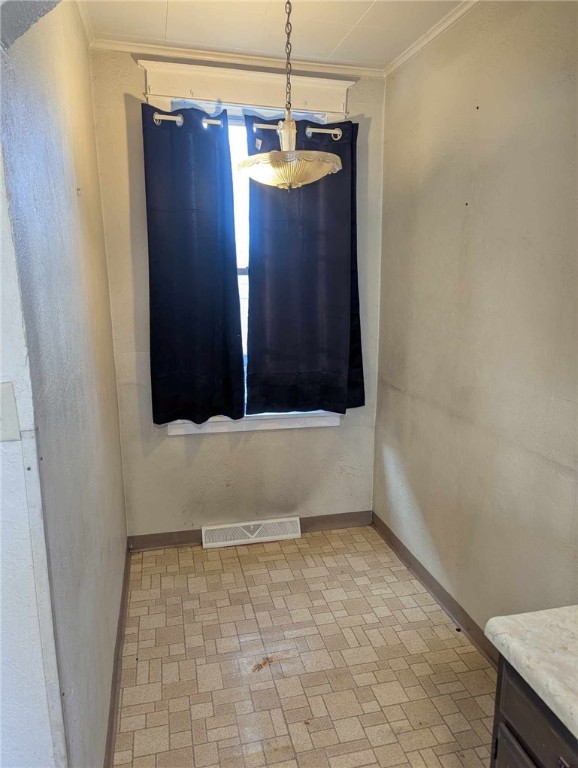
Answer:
[(288, 28)]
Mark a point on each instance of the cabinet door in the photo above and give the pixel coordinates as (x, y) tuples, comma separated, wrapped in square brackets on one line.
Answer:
[(509, 752), (543, 736)]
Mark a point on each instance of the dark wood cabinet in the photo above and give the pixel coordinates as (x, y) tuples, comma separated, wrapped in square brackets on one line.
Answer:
[(527, 734), (510, 753)]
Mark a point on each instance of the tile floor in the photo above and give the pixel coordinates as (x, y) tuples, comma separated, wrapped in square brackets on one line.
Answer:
[(323, 652)]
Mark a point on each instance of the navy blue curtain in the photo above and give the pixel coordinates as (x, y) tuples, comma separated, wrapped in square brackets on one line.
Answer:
[(304, 338), (195, 327)]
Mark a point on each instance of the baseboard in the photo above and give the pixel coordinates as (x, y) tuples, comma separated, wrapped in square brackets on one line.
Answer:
[(117, 667), (162, 540), (335, 522), (188, 538), (448, 603)]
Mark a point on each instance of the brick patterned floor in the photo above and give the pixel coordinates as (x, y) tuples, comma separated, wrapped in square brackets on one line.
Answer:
[(323, 652)]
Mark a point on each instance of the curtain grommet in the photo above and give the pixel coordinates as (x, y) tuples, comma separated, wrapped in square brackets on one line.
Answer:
[(336, 133), (178, 119)]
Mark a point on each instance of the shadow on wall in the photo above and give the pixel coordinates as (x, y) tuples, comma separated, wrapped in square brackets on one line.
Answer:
[(140, 281), (363, 174), (467, 505), (401, 507)]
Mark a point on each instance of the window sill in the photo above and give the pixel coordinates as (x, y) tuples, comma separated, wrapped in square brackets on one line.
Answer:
[(259, 422)]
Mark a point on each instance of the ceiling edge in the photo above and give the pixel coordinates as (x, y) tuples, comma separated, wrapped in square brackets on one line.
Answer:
[(239, 59), (429, 36), (269, 62)]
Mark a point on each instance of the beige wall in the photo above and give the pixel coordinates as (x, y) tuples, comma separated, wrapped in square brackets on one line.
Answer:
[(52, 183), (31, 723), (179, 483), (476, 426)]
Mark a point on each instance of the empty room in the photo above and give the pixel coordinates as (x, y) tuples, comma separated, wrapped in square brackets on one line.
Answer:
[(288, 384)]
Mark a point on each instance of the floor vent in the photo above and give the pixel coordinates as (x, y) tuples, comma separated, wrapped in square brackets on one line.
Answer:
[(257, 531)]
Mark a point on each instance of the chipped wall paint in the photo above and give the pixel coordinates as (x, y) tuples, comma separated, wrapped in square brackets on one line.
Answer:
[(179, 483), (52, 181), (476, 424)]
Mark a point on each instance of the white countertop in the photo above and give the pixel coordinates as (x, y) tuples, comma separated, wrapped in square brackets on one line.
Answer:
[(543, 648)]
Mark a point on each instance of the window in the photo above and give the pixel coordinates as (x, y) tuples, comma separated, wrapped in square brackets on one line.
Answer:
[(238, 145), (264, 421)]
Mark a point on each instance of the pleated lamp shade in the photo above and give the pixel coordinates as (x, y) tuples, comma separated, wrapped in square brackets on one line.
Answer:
[(290, 169)]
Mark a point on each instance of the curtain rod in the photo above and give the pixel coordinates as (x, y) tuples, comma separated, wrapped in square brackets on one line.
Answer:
[(336, 133)]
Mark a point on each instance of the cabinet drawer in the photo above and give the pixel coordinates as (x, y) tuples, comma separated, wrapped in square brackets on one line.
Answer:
[(547, 740), (509, 751)]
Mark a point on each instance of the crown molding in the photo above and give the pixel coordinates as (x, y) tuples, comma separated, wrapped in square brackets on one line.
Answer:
[(193, 55), (85, 19), (429, 36)]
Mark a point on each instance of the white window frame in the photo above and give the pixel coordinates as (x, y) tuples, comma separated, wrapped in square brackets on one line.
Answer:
[(255, 423), (246, 88)]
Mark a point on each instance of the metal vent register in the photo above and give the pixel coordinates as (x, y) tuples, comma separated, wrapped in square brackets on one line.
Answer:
[(232, 534)]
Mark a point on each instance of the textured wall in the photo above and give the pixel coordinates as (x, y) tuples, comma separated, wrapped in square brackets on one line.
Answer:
[(476, 427), (178, 483), (52, 181), (32, 711), (17, 16)]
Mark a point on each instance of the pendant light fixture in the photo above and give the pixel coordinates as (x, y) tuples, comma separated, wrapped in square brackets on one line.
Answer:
[(289, 168)]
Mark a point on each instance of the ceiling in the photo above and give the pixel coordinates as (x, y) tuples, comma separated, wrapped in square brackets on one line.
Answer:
[(366, 33)]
